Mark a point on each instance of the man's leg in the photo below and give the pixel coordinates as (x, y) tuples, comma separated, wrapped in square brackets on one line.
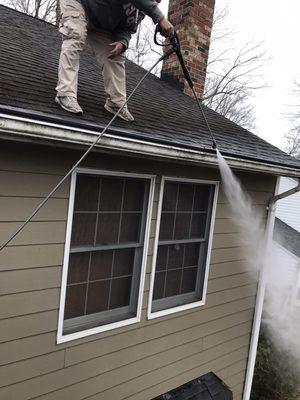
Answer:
[(73, 26), (113, 72)]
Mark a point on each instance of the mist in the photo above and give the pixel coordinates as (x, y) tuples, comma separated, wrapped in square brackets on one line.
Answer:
[(281, 314)]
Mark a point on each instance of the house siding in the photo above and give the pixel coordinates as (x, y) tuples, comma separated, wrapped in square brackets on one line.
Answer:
[(137, 362), (288, 209)]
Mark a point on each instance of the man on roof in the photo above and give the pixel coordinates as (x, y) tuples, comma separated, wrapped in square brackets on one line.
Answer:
[(107, 25)]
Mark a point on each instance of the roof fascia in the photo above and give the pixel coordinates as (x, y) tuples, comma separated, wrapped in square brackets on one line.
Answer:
[(27, 129)]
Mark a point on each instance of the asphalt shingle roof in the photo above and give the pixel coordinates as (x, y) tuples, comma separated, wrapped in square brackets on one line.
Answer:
[(207, 387), (287, 237), (29, 52)]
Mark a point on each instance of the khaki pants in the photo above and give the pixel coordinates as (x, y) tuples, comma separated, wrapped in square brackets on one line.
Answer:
[(76, 31)]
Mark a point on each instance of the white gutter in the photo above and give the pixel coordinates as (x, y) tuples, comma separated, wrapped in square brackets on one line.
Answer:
[(280, 196), (20, 128)]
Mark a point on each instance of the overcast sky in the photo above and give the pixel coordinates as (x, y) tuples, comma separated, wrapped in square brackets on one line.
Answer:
[(277, 24)]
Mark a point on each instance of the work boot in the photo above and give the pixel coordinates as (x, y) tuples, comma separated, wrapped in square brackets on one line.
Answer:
[(124, 113), (69, 103)]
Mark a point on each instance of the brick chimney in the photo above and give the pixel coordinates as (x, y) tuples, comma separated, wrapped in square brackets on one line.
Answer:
[(193, 22)]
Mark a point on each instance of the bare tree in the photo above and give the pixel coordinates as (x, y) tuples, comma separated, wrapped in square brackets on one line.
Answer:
[(292, 142), (47, 10), (292, 138), (142, 49), (233, 74)]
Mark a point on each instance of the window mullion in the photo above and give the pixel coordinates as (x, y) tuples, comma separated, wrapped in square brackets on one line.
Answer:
[(111, 279), (175, 213), (167, 263), (87, 285), (98, 207), (182, 268), (168, 253), (121, 211), (114, 252)]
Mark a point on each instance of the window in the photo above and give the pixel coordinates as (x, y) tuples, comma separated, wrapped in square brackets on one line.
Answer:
[(182, 246), (105, 251)]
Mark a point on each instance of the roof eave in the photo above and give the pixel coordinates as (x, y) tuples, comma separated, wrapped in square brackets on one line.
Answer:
[(25, 129)]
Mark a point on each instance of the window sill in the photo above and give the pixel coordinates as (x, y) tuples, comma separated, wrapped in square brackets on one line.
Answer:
[(93, 331), (173, 310)]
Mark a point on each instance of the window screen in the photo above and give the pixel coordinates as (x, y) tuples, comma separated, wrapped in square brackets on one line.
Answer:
[(183, 243), (106, 249)]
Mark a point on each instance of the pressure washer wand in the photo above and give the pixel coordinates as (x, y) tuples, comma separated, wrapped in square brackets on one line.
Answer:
[(174, 41)]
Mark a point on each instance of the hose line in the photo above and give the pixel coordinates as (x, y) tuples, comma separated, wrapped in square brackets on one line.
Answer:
[(66, 176), (175, 48)]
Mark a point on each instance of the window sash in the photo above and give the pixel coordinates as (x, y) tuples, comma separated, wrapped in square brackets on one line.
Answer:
[(120, 313), (84, 249), (96, 319), (165, 303)]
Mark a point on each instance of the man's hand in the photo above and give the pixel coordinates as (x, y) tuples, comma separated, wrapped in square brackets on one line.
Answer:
[(166, 28), (117, 49)]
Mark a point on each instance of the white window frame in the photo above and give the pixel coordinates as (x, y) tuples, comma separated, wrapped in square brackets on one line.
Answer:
[(156, 314), (61, 338)]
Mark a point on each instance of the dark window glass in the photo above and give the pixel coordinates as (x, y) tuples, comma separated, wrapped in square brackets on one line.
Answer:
[(123, 262), (191, 254), (101, 265), (130, 227), (189, 280), (78, 267), (161, 258), (166, 227), (87, 193), (97, 299), (185, 197), (108, 224), (183, 242), (75, 300), (170, 196), (182, 226), (83, 229), (134, 195), (111, 194), (202, 194), (198, 226), (175, 256), (173, 283), (108, 228), (159, 285), (120, 292)]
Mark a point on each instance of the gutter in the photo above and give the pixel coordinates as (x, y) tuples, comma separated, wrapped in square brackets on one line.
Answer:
[(280, 196), (20, 128), (262, 286)]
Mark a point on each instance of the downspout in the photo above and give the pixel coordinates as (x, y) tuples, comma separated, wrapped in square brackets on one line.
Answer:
[(285, 194), (262, 286)]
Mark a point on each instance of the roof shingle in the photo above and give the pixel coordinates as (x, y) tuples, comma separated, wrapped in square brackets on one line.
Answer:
[(29, 51)]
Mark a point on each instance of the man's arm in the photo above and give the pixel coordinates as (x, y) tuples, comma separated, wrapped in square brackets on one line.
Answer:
[(150, 8)]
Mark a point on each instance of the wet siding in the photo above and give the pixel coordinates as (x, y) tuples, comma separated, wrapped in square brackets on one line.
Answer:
[(137, 362)]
